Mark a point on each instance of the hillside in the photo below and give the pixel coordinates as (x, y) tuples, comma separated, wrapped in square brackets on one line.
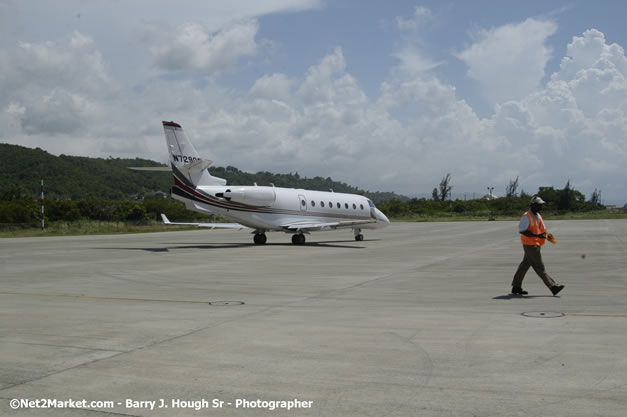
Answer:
[(79, 178), (76, 178)]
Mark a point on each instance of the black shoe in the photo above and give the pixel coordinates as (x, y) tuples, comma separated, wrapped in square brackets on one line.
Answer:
[(556, 288), (519, 291)]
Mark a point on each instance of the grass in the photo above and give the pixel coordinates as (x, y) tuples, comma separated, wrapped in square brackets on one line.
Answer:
[(87, 227), (92, 227), (592, 215), (455, 217)]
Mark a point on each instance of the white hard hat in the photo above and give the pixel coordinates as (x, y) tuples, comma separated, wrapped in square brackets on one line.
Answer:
[(537, 200)]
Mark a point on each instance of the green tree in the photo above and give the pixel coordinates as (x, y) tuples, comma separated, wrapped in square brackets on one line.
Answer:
[(14, 192), (549, 195), (445, 187), (19, 212), (595, 198), (510, 190), (566, 199)]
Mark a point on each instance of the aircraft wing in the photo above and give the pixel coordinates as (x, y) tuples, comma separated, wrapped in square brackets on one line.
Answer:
[(316, 226), (209, 225)]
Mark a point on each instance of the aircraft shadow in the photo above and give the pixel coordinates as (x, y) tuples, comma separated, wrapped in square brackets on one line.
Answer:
[(141, 249), (205, 246), (329, 244)]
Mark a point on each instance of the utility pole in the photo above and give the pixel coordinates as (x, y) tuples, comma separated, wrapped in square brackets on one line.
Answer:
[(490, 189), (42, 203)]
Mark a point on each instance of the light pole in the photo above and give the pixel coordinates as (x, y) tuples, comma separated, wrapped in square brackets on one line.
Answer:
[(490, 189)]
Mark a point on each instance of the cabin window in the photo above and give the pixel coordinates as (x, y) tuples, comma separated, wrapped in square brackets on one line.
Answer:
[(346, 205), (354, 206), (322, 204), (330, 204), (303, 203), (361, 206), (339, 205), (313, 203)]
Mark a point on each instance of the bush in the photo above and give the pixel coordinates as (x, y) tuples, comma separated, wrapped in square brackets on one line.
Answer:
[(20, 211), (66, 210)]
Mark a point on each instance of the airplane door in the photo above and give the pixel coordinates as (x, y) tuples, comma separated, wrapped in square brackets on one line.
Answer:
[(303, 202)]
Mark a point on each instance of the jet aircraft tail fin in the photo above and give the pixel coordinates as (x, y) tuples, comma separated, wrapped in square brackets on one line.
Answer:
[(187, 166)]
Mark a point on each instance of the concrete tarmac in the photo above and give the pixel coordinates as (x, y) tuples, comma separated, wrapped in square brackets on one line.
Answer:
[(415, 321)]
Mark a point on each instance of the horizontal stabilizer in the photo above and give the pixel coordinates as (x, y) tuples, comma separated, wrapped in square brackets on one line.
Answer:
[(208, 225), (198, 165), (156, 169), (313, 226)]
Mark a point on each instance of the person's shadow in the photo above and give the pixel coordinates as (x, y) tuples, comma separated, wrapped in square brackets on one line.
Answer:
[(514, 296)]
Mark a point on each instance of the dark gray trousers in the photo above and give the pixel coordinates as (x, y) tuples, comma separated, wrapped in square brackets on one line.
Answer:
[(533, 259)]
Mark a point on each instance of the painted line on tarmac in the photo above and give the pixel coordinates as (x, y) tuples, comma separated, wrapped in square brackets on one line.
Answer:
[(94, 297)]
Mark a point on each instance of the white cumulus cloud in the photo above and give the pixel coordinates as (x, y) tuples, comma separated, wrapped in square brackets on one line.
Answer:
[(193, 47), (509, 61), (275, 86)]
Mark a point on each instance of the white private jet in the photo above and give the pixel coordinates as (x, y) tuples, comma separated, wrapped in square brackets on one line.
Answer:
[(262, 209)]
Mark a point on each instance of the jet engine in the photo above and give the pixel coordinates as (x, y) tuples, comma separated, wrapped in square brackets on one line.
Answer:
[(252, 196)]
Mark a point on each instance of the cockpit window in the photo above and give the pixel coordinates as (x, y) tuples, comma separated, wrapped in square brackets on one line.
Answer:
[(370, 203)]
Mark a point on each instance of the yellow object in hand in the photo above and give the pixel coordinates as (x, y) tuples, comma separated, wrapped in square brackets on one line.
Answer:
[(550, 237)]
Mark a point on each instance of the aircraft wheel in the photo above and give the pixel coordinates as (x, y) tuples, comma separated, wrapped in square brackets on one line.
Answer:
[(260, 239), (359, 237), (298, 239)]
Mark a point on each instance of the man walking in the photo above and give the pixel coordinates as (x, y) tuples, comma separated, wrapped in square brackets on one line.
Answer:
[(533, 236)]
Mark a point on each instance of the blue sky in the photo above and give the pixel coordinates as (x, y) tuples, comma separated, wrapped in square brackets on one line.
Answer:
[(368, 35), (383, 95)]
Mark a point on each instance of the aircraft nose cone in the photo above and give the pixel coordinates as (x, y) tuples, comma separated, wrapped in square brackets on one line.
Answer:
[(381, 217)]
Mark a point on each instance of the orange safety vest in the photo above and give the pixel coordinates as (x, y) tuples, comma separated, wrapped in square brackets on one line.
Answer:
[(534, 227)]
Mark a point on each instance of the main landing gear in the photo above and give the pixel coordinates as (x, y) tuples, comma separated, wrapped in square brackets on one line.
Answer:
[(358, 236), (298, 239), (260, 239)]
